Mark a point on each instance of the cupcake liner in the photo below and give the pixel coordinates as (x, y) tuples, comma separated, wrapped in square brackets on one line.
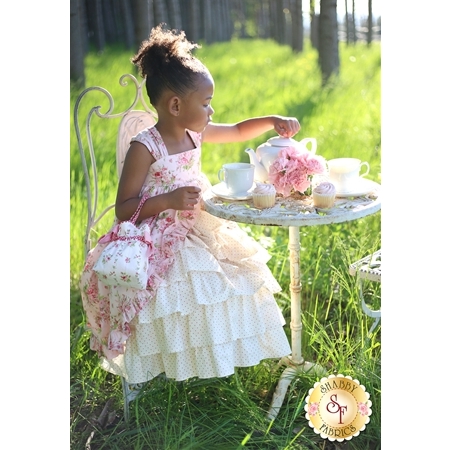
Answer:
[(263, 200), (323, 200)]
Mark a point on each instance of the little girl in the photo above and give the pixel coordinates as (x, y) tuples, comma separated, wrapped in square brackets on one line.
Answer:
[(209, 304)]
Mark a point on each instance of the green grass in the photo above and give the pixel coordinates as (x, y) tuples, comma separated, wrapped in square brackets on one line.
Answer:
[(252, 78)]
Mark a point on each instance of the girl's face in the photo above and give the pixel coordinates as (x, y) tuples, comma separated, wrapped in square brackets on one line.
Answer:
[(196, 109)]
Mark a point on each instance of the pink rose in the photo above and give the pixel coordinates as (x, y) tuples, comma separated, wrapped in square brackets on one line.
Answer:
[(363, 409), (313, 409)]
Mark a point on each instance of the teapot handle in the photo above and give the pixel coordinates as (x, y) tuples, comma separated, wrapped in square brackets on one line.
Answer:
[(313, 141)]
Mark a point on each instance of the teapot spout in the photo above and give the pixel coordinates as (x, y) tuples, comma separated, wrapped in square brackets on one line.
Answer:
[(260, 172)]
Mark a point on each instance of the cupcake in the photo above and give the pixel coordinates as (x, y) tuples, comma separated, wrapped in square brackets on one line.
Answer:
[(264, 195), (324, 194)]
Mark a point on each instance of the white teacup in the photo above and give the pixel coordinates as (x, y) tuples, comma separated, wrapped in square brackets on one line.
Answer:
[(344, 173), (237, 177)]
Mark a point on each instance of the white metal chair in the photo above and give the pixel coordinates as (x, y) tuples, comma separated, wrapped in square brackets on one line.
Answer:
[(368, 268), (131, 121)]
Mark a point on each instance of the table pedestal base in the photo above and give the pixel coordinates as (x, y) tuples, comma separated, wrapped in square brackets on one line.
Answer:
[(295, 363), (286, 378)]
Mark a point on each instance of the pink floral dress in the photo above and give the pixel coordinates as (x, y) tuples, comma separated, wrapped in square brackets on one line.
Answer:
[(209, 304)]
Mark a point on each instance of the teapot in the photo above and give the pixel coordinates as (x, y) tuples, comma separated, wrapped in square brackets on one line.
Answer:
[(266, 153)]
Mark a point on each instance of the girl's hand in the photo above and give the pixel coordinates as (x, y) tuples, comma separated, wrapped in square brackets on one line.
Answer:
[(286, 126), (184, 198)]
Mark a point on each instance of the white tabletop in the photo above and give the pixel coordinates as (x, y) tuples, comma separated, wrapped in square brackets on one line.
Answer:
[(294, 211)]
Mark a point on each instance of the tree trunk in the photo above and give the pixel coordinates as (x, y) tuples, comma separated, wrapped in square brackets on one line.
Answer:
[(208, 21), (328, 40), (314, 32), (174, 11), (143, 20), (126, 11), (230, 24), (263, 19), (347, 37), (354, 22), (314, 25), (240, 17), (219, 22), (219, 25), (370, 24), (77, 37), (277, 20), (84, 26), (94, 12), (224, 28), (297, 25), (281, 23), (160, 12), (109, 14), (193, 19)]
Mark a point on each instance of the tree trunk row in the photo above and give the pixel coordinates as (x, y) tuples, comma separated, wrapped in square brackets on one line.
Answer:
[(97, 23), (129, 22)]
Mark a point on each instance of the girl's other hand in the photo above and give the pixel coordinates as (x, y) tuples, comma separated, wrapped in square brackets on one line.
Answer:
[(184, 198), (286, 126)]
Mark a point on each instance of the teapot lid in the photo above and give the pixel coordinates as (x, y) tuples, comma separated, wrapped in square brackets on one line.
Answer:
[(279, 141)]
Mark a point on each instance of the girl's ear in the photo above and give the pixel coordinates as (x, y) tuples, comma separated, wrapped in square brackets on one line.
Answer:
[(174, 105)]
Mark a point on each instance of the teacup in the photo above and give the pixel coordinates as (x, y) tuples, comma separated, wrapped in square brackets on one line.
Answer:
[(237, 177), (344, 173)]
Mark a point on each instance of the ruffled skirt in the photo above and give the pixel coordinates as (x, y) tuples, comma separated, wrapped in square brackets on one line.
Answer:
[(214, 311)]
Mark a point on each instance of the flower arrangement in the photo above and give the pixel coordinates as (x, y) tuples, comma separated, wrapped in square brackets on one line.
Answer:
[(293, 169)]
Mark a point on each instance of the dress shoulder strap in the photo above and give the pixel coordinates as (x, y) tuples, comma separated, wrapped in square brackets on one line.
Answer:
[(151, 138), (196, 137)]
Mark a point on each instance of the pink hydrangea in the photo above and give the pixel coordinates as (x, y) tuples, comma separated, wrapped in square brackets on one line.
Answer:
[(293, 170)]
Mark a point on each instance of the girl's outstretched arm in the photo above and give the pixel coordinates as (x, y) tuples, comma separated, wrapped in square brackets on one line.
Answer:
[(250, 128), (135, 169)]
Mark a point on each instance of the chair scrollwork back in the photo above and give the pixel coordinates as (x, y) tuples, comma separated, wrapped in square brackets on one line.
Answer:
[(132, 121)]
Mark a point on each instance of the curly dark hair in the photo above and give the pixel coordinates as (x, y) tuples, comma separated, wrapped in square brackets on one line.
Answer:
[(165, 59)]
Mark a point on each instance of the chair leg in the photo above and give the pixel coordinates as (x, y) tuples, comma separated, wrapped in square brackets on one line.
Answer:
[(369, 312), (130, 392), (126, 402), (375, 323)]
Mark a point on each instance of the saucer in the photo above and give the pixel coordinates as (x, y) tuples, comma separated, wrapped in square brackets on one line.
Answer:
[(221, 190), (361, 187)]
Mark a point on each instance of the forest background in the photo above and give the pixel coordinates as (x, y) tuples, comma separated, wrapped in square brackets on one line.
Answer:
[(98, 23)]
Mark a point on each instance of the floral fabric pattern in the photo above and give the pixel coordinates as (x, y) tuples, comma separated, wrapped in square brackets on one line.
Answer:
[(110, 309)]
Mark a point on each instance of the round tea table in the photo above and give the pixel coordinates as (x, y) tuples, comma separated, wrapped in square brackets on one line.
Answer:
[(294, 213)]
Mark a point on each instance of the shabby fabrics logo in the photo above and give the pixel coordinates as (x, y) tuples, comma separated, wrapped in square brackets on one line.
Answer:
[(338, 408)]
